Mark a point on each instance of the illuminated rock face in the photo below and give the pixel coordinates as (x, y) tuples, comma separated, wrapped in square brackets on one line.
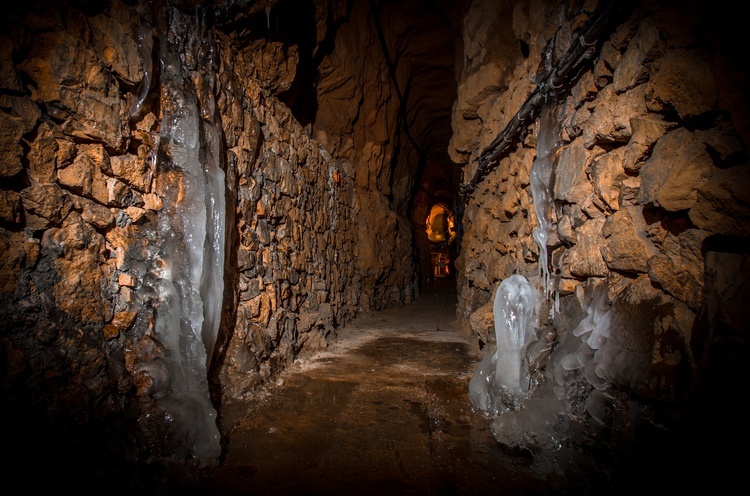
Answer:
[(172, 235), (631, 300)]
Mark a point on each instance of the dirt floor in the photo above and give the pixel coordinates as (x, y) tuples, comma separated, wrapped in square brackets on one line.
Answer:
[(384, 410)]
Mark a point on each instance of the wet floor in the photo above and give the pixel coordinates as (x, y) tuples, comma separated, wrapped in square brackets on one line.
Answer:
[(384, 410)]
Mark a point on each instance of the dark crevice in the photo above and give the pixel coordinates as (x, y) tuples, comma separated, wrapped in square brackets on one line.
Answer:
[(402, 97)]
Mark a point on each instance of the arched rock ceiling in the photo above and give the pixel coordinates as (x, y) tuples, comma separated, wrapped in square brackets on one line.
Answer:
[(423, 41)]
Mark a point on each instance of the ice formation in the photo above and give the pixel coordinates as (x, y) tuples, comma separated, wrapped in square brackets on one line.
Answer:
[(517, 303), (541, 190), (541, 415), (186, 255), (145, 41), (212, 284), (502, 377)]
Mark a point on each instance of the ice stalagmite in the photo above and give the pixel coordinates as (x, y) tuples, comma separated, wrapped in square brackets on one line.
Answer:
[(515, 309), (504, 376)]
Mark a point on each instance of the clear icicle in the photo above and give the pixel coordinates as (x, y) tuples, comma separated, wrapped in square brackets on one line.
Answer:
[(542, 178)]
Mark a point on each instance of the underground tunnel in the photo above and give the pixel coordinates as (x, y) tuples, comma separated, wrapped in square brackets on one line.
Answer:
[(199, 197)]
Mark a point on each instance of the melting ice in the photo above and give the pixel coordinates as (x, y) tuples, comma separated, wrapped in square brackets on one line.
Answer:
[(538, 416)]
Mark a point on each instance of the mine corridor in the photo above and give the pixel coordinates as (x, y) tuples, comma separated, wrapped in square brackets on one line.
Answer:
[(373, 246)]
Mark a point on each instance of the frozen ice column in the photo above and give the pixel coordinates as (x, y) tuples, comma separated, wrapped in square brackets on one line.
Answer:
[(503, 376), (187, 252), (516, 310)]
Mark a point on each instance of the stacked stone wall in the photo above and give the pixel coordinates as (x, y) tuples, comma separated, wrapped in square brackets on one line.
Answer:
[(85, 176)]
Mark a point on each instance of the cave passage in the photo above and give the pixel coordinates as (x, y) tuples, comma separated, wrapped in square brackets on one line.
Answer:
[(265, 238)]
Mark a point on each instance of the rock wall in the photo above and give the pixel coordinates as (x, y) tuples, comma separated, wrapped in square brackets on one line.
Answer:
[(296, 210), (101, 105), (649, 204)]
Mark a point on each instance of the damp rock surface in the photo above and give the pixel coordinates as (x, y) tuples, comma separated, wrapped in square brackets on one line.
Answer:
[(384, 410)]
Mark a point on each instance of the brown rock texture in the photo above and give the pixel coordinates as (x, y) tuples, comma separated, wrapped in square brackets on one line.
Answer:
[(316, 228), (649, 191)]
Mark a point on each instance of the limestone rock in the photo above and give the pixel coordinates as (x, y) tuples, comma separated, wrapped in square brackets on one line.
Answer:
[(10, 207), (119, 194), (114, 40), (566, 286), (83, 177), (97, 117), (42, 156), (12, 260), (152, 202), (565, 230), (627, 247), (80, 287), (134, 170), (95, 214), (646, 130), (585, 258), (723, 202), (70, 78), (66, 152), (9, 77), (678, 267), (48, 202), (97, 154), (11, 131), (609, 59), (683, 80), (678, 166), (571, 182), (643, 49), (489, 60), (607, 174), (610, 119), (724, 141), (275, 64), (482, 324)]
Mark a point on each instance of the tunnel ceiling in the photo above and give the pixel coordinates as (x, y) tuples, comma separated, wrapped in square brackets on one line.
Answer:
[(419, 38)]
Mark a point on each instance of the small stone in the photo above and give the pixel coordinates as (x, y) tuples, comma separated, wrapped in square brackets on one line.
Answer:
[(125, 279)]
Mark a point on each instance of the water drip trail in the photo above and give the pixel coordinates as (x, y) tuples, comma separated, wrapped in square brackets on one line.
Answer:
[(542, 180)]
